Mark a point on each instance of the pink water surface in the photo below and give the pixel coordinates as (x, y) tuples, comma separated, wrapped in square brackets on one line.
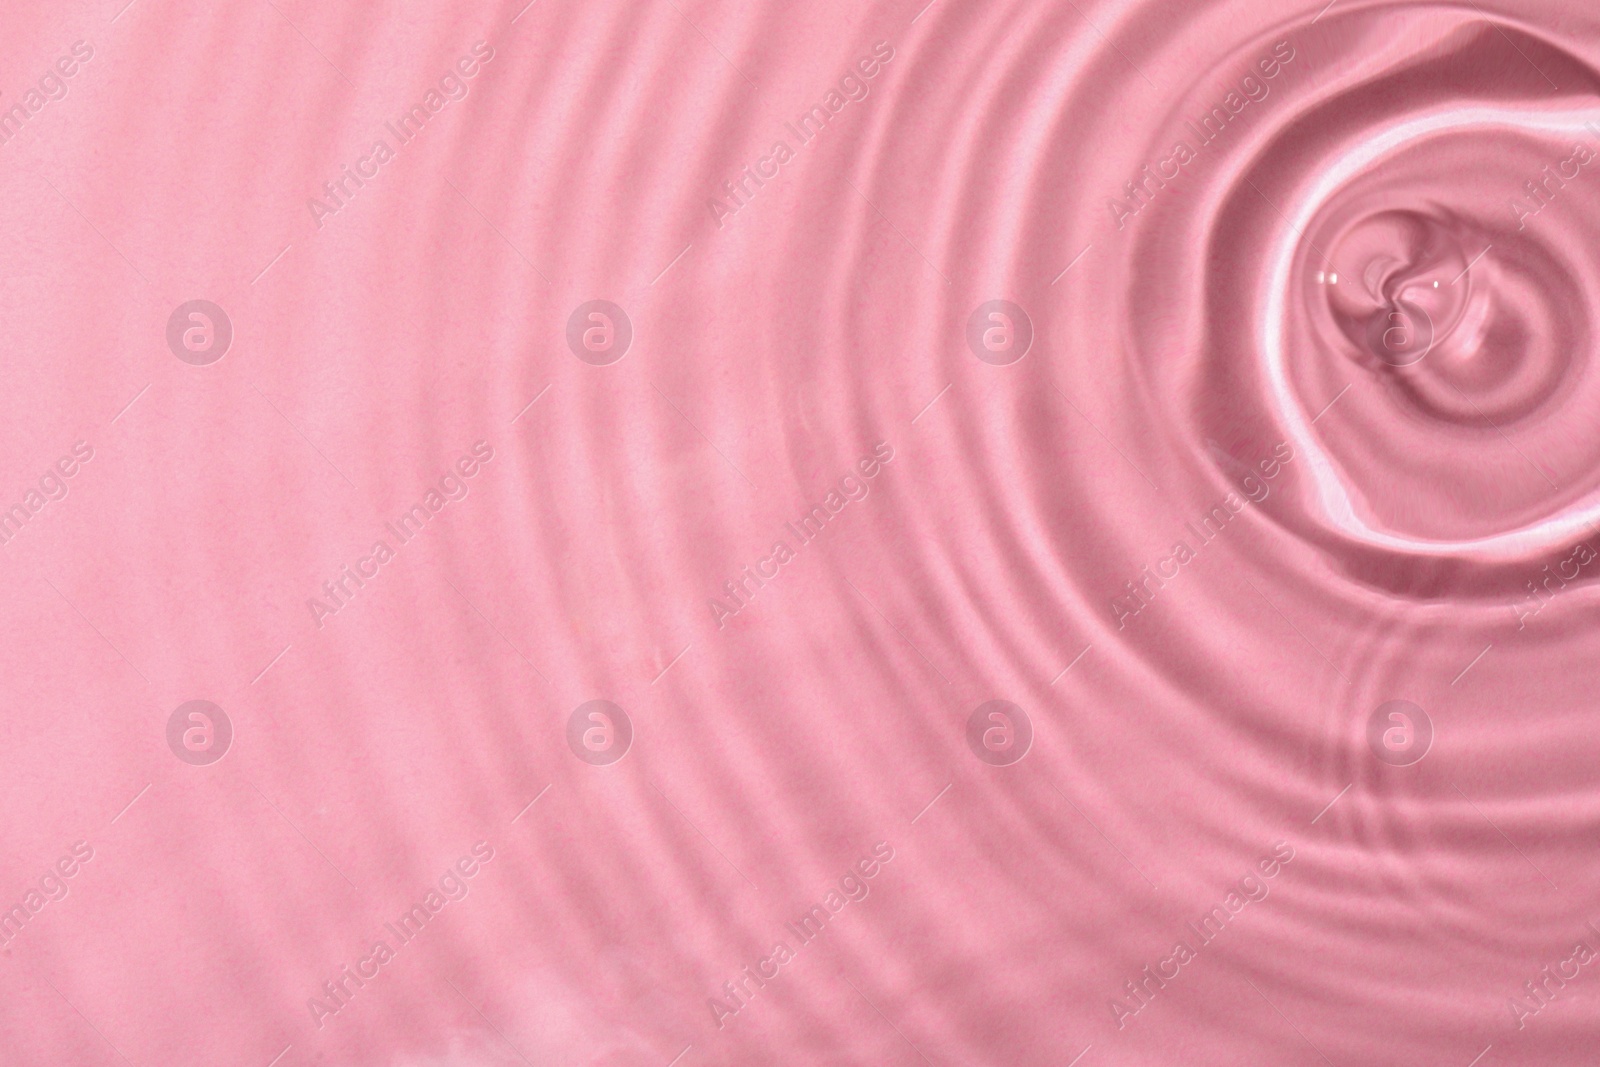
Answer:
[(690, 533)]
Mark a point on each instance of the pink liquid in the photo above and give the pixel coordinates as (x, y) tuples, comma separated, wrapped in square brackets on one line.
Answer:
[(645, 534)]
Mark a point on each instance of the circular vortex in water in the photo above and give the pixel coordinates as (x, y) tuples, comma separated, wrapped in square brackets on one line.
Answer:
[(701, 534)]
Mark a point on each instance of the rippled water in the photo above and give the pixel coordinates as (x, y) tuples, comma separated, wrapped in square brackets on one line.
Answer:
[(676, 533)]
